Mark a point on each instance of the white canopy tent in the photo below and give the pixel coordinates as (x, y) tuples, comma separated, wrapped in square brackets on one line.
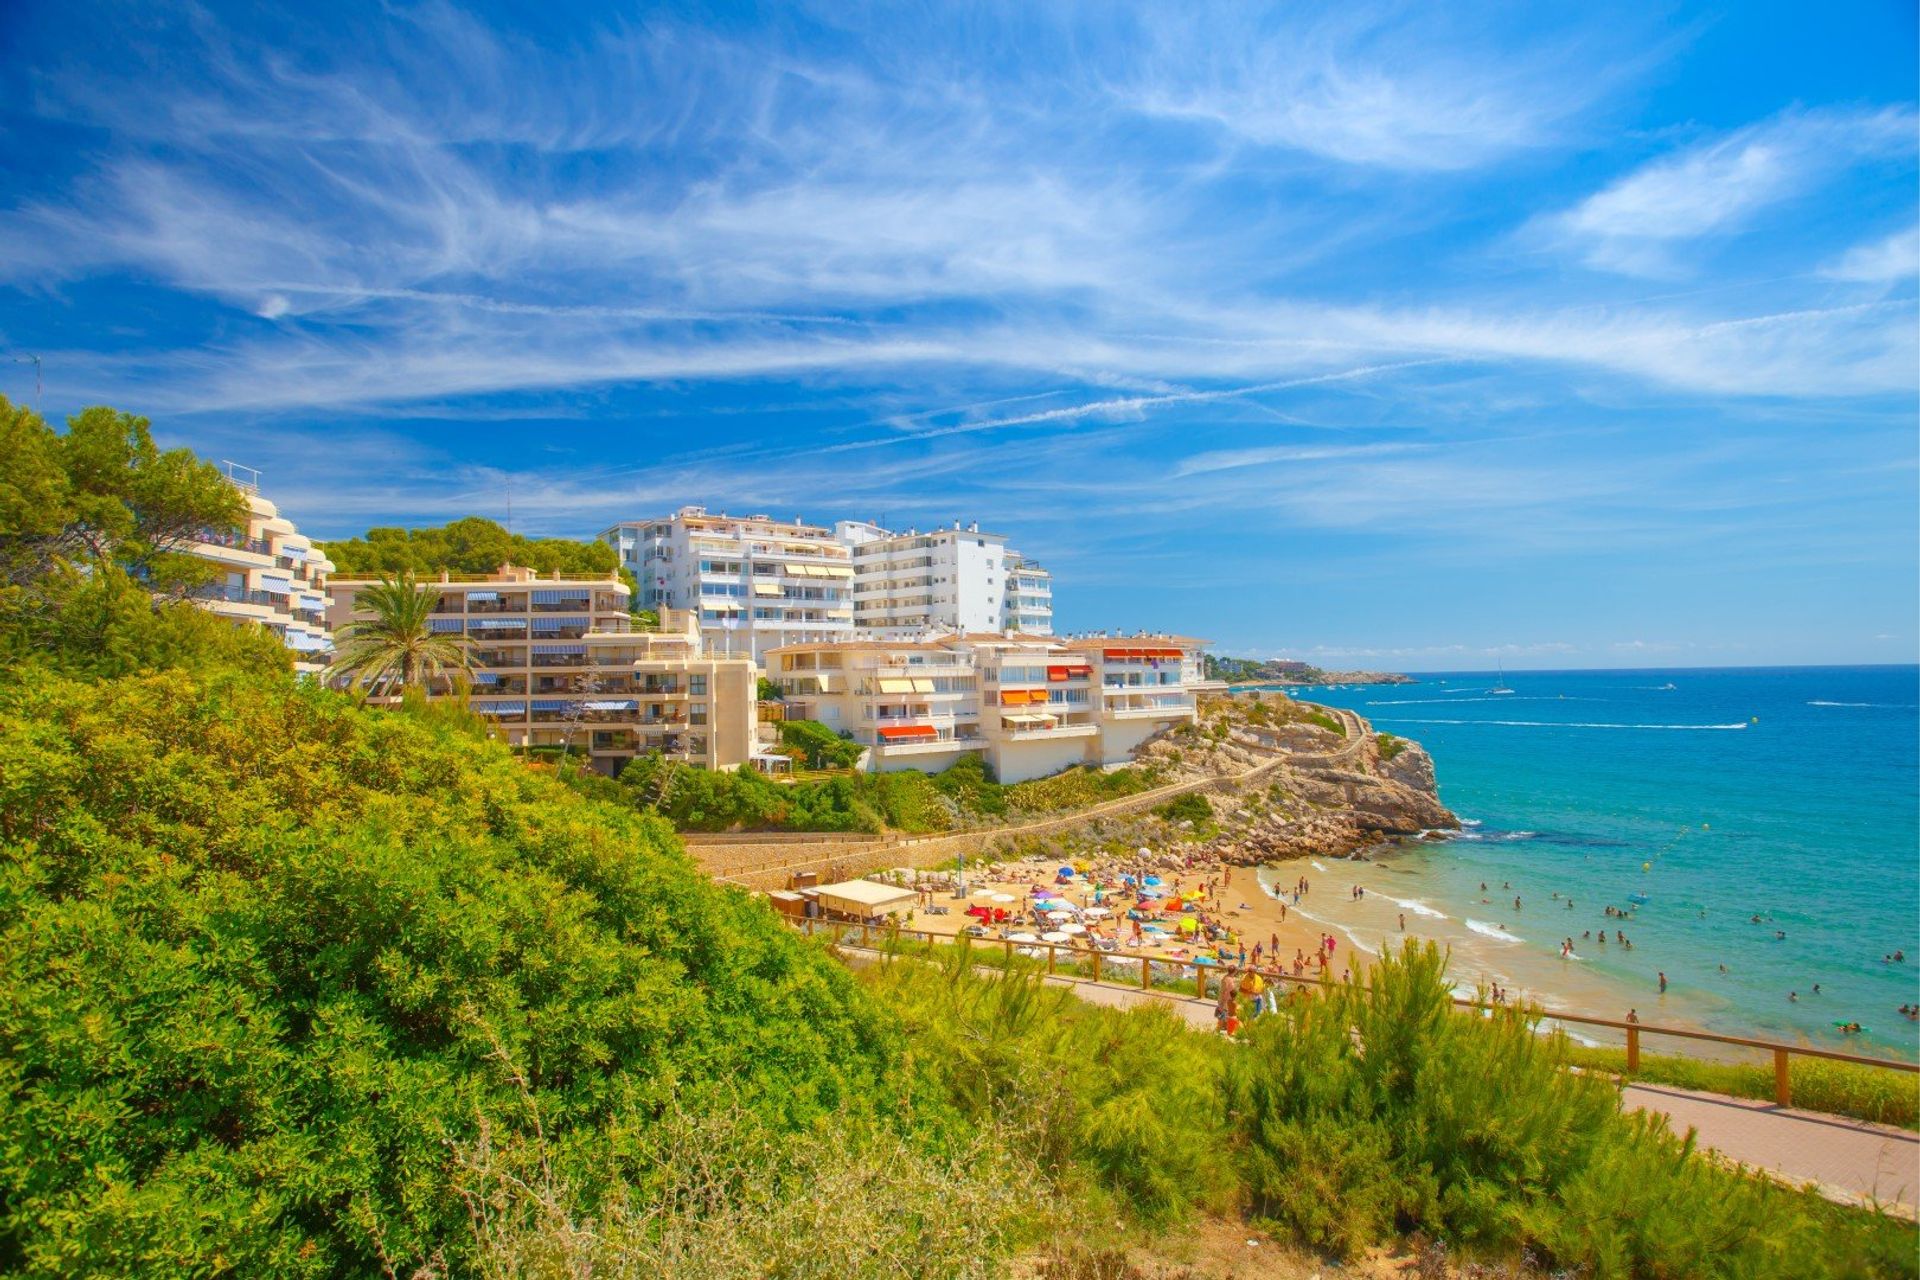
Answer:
[(863, 899)]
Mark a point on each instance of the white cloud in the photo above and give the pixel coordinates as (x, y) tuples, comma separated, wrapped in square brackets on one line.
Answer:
[(1717, 187), (1894, 260), (1402, 90)]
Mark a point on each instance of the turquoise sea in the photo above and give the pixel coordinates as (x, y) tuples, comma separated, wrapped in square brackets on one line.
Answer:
[(1788, 793)]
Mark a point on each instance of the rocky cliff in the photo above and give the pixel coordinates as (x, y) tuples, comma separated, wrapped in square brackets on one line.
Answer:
[(1337, 788)]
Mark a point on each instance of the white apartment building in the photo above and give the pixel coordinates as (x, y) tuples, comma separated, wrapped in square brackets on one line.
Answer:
[(558, 663), (754, 582), (1029, 605), (952, 580), (271, 575), (1029, 705)]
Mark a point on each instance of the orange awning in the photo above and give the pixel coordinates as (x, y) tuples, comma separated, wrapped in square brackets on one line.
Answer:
[(909, 733), (1058, 673)]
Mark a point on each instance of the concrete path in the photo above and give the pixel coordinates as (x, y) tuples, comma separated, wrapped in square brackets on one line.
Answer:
[(1848, 1161)]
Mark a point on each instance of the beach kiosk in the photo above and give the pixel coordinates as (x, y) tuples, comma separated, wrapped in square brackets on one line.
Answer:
[(863, 901)]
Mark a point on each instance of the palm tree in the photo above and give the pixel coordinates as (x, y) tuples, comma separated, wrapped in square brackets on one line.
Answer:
[(398, 642)]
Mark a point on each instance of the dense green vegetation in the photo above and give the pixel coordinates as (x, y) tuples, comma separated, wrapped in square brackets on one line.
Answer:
[(1840, 1088), (963, 795), (468, 545), (268, 954), (818, 746), (1388, 745), (1358, 1116)]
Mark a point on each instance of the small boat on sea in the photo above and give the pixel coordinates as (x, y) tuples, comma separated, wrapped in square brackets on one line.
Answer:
[(1638, 899), (1500, 682)]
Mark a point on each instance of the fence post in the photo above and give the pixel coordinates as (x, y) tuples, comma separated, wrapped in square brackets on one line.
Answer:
[(1009, 952), (1146, 974), (1096, 966), (809, 926), (1200, 978), (1053, 954), (1633, 1051), (1782, 1080)]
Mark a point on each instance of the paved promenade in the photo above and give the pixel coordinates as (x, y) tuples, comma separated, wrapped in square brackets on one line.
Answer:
[(1850, 1161)]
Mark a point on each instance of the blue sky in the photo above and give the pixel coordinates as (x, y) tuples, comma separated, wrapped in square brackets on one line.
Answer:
[(1417, 336)]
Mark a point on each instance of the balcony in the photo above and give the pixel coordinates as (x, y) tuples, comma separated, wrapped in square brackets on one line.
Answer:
[(1025, 733)]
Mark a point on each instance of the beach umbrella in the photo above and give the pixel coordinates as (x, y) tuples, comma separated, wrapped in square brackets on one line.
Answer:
[(1188, 924), (1002, 897), (1059, 915), (1056, 936), (1022, 937), (1098, 912), (1065, 873), (1144, 852), (1153, 880), (1073, 928)]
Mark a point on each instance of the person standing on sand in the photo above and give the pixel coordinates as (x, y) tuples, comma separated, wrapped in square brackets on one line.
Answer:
[(1663, 983), (1403, 922)]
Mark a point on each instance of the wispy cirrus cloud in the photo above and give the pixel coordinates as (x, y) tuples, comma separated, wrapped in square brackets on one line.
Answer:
[(1889, 261), (1716, 187)]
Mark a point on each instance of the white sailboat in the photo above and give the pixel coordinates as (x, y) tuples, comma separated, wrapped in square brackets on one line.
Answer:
[(1500, 682)]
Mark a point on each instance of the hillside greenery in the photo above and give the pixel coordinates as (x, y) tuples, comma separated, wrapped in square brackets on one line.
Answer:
[(963, 795), (471, 544)]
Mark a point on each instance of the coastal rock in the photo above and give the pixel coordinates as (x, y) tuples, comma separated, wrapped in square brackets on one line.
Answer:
[(1412, 767)]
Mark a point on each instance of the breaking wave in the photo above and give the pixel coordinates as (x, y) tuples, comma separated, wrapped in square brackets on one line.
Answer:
[(1565, 724)]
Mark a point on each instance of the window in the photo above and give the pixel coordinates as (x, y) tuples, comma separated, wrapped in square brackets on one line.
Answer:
[(697, 713), (697, 686)]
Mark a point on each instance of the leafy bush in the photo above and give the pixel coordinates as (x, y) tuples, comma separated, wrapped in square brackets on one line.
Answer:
[(1079, 788), (1192, 807), (265, 955), (1389, 745), (471, 544), (821, 746), (1323, 721), (1369, 1111)]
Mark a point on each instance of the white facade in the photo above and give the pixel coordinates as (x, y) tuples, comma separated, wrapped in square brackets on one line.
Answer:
[(942, 581), (1029, 599), (271, 576), (756, 583), (1030, 706)]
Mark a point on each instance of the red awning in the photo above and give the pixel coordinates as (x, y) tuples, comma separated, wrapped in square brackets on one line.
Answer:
[(1058, 673), (908, 733)]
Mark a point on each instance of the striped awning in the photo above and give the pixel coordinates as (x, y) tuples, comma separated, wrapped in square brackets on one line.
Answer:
[(552, 704), (619, 704), (443, 624), (557, 624), (292, 552), (562, 595), (500, 708), (486, 677), (483, 595), (276, 586), (500, 624), (559, 648)]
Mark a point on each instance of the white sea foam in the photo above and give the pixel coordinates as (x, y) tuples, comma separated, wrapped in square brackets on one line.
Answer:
[(1420, 908), (1493, 931), (1519, 835), (1470, 822), (1561, 724), (1891, 706), (1317, 866)]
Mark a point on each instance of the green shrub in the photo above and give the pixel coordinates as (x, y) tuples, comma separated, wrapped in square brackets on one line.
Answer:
[(265, 955), (1321, 720), (1389, 745), (1407, 1116), (1192, 807), (821, 747)]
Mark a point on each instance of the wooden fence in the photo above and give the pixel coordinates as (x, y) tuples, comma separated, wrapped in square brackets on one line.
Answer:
[(1096, 961)]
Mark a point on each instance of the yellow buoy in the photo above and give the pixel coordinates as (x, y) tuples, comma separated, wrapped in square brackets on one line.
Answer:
[(1646, 866), (1754, 720), (1705, 827)]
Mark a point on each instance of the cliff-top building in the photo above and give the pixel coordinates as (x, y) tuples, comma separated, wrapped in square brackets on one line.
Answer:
[(1030, 706), (943, 581), (559, 663), (753, 582), (270, 575)]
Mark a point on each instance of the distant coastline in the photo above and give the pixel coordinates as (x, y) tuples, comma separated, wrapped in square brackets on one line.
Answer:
[(1247, 673)]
